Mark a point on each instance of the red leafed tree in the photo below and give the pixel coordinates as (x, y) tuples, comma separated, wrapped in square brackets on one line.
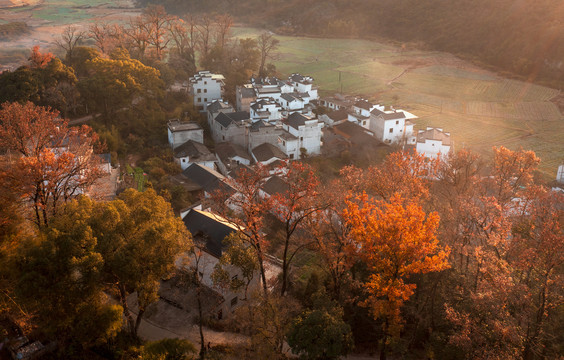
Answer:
[(49, 162), (292, 207), (244, 206), (395, 240), (39, 60)]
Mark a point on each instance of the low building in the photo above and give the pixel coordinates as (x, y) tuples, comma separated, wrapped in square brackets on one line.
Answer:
[(215, 107), (391, 127), (231, 127), (334, 117), (267, 153), (307, 130), (179, 132), (206, 87), (265, 109), (230, 155), (434, 142), (193, 152), (244, 96)]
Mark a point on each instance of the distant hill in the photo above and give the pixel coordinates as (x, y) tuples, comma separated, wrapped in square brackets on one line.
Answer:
[(523, 37)]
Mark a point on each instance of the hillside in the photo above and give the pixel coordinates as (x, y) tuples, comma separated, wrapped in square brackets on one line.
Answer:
[(524, 38)]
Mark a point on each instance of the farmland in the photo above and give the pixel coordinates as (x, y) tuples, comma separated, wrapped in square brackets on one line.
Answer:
[(478, 107)]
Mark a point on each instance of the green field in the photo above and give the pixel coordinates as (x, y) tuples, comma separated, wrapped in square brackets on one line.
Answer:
[(479, 108)]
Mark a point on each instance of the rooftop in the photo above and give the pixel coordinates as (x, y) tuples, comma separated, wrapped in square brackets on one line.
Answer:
[(434, 134), (176, 125), (227, 150), (267, 151), (194, 149), (226, 119), (275, 185), (210, 228)]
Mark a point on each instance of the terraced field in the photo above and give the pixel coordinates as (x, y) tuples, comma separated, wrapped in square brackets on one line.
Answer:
[(479, 108)]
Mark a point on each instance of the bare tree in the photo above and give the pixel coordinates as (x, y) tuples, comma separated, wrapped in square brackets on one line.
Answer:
[(70, 38), (106, 36), (137, 32), (157, 23), (267, 44), (205, 32), (223, 25)]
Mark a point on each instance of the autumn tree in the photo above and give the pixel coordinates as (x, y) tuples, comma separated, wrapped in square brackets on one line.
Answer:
[(267, 44), (70, 39), (51, 164), (38, 59), (244, 206), (293, 206), (157, 23), (106, 36), (395, 240)]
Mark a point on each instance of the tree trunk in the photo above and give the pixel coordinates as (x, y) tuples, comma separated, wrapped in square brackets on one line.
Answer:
[(126, 312), (138, 320), (262, 271), (285, 266), (201, 323)]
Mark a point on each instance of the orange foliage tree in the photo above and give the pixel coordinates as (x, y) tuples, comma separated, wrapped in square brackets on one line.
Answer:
[(395, 240), (50, 163)]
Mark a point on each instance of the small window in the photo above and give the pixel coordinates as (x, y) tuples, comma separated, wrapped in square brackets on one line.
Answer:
[(206, 99), (364, 122), (397, 122), (223, 137), (199, 99), (205, 82), (391, 130), (284, 142), (183, 160), (291, 156), (234, 301), (205, 90), (301, 138), (199, 91)]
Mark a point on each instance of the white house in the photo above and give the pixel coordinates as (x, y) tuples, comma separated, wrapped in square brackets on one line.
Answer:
[(215, 107), (180, 132), (230, 156), (304, 84), (307, 130), (267, 153), (289, 144), (391, 127), (206, 87), (560, 174), (432, 142), (193, 152), (265, 109), (292, 102)]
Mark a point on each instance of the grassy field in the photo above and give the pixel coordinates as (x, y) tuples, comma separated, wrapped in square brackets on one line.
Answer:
[(479, 108)]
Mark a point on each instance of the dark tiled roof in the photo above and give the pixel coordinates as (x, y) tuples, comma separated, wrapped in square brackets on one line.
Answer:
[(377, 112), (217, 105), (268, 151), (255, 126), (355, 133), (275, 185), (287, 136), (194, 149), (296, 120), (363, 104), (226, 119), (208, 228), (227, 150), (434, 134), (393, 116), (288, 97), (338, 115), (246, 92), (208, 179)]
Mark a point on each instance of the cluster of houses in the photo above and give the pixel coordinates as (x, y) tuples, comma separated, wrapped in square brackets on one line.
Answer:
[(273, 121)]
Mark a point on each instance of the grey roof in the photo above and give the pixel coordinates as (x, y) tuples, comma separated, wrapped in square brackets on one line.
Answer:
[(257, 105), (287, 136), (275, 185), (338, 115), (255, 126), (434, 134), (177, 125), (210, 228), (363, 104), (377, 112), (296, 120), (226, 119), (355, 133), (267, 151), (393, 116), (246, 92), (208, 179), (227, 150), (288, 97), (217, 105), (194, 149)]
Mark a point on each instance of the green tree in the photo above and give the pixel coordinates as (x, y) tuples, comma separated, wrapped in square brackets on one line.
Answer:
[(321, 333)]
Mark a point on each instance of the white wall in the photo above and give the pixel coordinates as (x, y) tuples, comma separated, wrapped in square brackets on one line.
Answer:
[(431, 148)]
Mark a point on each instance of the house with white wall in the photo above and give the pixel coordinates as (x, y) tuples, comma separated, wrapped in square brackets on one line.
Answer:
[(193, 152), (231, 127), (307, 130), (266, 109), (230, 156), (434, 141), (179, 132), (206, 87), (215, 107), (391, 127), (267, 153), (303, 84)]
